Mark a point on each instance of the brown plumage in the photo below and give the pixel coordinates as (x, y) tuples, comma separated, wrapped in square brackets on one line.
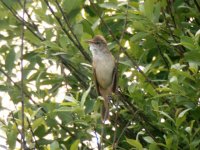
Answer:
[(104, 70)]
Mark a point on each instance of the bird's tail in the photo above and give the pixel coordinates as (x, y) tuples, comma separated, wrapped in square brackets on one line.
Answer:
[(105, 108)]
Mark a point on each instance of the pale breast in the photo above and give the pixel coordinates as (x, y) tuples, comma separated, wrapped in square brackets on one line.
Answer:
[(104, 69)]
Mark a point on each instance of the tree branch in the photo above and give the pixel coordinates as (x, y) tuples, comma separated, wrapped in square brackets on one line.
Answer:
[(86, 56), (197, 5), (27, 24)]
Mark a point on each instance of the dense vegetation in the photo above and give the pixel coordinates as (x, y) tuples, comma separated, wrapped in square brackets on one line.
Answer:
[(47, 93)]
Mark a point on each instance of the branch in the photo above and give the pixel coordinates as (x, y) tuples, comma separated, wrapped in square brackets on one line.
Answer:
[(180, 49), (87, 57), (20, 132), (197, 5), (27, 24), (32, 23), (127, 103), (71, 30), (77, 74), (33, 136), (161, 54)]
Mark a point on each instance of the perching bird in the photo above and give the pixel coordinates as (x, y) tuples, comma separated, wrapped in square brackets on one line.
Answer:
[(104, 69)]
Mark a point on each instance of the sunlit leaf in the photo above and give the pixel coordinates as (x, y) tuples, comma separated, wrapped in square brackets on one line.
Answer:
[(135, 143)]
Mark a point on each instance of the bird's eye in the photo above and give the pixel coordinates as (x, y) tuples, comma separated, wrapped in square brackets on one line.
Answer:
[(98, 43)]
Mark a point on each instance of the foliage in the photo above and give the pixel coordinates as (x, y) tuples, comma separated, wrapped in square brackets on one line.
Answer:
[(157, 43)]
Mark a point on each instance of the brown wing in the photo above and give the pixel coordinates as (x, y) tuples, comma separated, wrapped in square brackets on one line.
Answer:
[(114, 78), (96, 82)]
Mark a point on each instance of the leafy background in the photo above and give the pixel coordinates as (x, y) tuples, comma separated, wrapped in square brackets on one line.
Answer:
[(157, 45)]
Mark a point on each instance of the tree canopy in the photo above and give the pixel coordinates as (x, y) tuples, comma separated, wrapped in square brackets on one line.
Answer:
[(47, 94)]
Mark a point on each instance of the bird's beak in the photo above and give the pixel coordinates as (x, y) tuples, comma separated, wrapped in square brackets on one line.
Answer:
[(89, 41)]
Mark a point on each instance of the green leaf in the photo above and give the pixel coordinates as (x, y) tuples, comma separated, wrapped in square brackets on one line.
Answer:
[(54, 146), (148, 139), (70, 5), (52, 45), (135, 143), (188, 42), (154, 146), (137, 25), (78, 29), (87, 27), (148, 8), (166, 115), (109, 5), (184, 112), (192, 57), (85, 94), (155, 105), (74, 146), (38, 122), (138, 36), (12, 137), (9, 62)]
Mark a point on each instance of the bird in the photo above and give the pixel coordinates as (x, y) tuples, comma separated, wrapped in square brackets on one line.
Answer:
[(104, 71)]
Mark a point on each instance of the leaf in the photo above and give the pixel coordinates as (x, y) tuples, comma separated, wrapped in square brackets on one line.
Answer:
[(74, 146), (135, 143), (9, 62), (52, 45), (148, 139), (148, 8), (36, 123), (193, 57), (166, 115), (70, 5), (78, 29), (183, 112), (154, 146), (188, 42), (155, 105), (54, 146), (12, 137), (85, 94), (109, 5), (137, 25), (138, 36), (87, 27)]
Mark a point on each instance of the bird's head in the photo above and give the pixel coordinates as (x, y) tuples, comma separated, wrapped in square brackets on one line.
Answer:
[(98, 43)]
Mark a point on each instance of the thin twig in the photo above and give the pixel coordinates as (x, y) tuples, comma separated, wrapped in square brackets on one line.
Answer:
[(169, 4), (29, 16), (162, 56), (33, 136), (180, 49), (20, 131)]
